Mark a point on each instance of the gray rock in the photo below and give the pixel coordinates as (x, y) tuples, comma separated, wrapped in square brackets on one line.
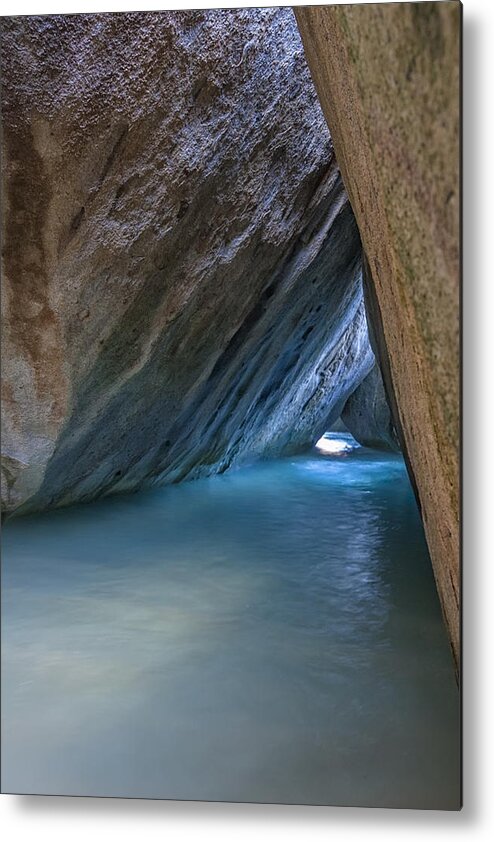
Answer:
[(367, 416), (182, 268)]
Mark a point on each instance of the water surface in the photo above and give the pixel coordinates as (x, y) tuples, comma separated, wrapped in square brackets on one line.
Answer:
[(272, 634)]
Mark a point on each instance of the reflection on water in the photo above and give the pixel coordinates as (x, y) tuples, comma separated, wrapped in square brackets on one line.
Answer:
[(272, 634)]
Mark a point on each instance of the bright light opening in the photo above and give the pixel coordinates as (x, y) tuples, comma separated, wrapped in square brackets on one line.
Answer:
[(336, 444)]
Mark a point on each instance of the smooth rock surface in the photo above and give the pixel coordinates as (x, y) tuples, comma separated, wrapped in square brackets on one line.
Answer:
[(182, 268), (367, 416), (388, 80)]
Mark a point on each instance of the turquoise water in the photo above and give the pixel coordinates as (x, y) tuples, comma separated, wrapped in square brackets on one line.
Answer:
[(272, 634)]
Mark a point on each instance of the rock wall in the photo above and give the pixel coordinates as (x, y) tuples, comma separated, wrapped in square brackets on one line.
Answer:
[(182, 268), (387, 76), (367, 415)]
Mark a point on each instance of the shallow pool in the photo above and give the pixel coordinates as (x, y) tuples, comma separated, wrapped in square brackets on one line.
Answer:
[(272, 634)]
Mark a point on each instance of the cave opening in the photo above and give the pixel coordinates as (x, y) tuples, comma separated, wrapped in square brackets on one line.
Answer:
[(336, 443)]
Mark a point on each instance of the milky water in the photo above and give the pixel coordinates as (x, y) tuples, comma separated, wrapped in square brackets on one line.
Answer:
[(272, 634)]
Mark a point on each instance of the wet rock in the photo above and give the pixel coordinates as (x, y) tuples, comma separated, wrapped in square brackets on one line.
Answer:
[(182, 268)]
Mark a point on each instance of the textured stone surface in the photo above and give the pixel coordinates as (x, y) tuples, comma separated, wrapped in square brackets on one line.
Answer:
[(367, 416), (182, 269), (388, 80)]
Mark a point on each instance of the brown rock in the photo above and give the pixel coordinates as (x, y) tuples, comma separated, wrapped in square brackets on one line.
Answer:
[(388, 81)]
